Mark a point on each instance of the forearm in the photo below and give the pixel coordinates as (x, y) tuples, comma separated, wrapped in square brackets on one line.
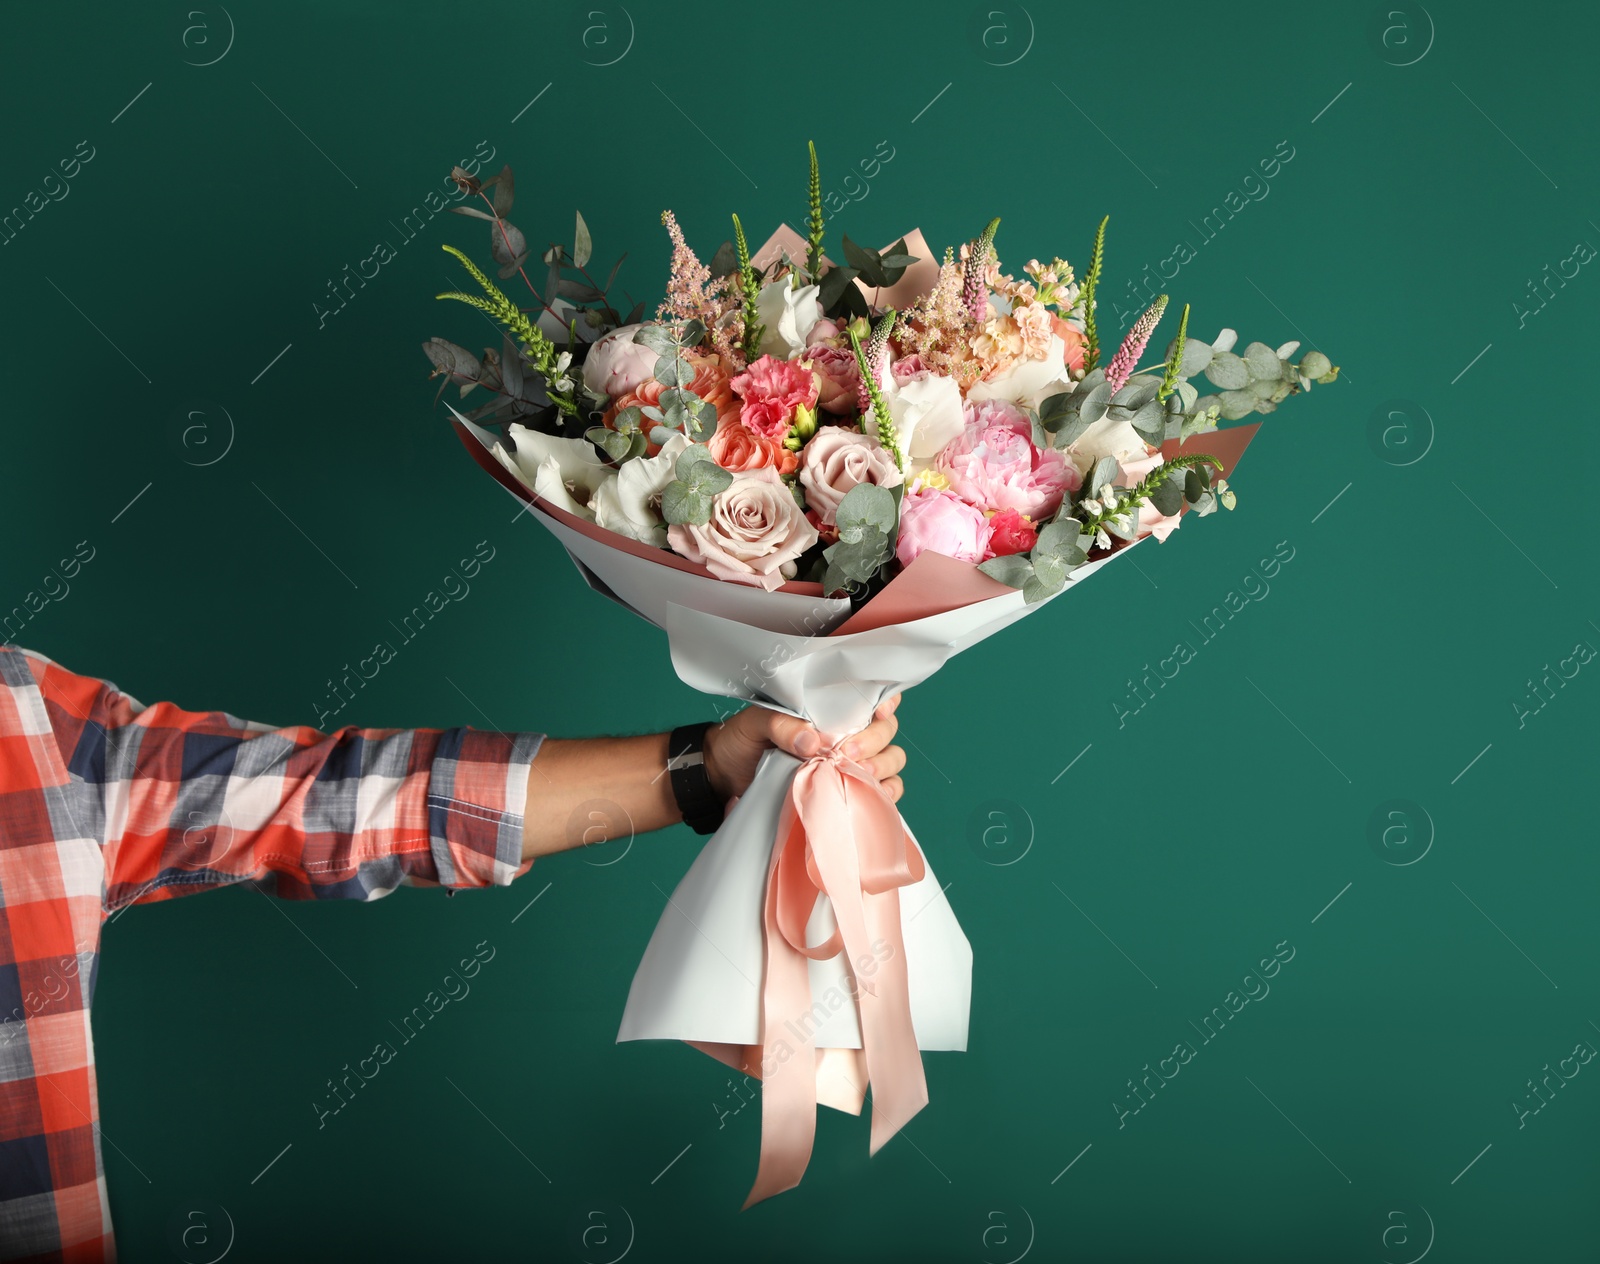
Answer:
[(588, 790)]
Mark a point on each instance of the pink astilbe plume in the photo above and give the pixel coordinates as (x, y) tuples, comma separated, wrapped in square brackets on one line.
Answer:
[(1127, 358), (688, 297)]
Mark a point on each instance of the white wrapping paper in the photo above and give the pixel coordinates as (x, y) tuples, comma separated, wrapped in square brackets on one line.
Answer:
[(701, 976)]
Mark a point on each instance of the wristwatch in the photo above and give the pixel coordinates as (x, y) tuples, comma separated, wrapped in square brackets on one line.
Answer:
[(697, 799)]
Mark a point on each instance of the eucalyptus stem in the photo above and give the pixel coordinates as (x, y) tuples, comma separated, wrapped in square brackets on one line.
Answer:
[(1129, 502)]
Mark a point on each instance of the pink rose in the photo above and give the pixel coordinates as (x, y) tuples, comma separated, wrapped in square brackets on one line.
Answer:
[(616, 364), (771, 390), (824, 330), (907, 368), (993, 462), (836, 460), (932, 518), (755, 530), (839, 377)]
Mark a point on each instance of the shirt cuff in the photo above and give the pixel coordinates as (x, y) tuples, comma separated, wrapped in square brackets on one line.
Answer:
[(477, 794)]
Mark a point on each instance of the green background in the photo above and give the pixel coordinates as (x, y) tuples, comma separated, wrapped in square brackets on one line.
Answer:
[(1440, 161)]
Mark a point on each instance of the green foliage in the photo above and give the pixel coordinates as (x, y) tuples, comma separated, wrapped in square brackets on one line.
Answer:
[(814, 240), (866, 519), (879, 410), (539, 350), (1059, 550), (1169, 379), (687, 499), (750, 284), (1091, 282)]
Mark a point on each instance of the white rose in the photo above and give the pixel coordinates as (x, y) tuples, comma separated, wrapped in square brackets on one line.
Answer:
[(926, 412), (1028, 382), (788, 315), (629, 504), (566, 472)]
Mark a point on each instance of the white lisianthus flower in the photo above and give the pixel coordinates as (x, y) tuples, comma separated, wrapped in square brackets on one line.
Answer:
[(566, 472), (1107, 437), (1028, 382), (787, 315), (630, 503), (926, 412)]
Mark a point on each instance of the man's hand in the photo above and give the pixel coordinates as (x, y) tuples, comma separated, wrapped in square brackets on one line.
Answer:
[(734, 747)]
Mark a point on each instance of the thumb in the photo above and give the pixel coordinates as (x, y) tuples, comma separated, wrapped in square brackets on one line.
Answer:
[(792, 734)]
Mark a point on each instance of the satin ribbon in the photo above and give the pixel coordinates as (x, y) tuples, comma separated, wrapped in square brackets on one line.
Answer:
[(839, 835)]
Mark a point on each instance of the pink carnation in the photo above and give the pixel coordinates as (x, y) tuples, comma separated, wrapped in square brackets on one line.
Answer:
[(932, 518), (994, 463), (771, 390)]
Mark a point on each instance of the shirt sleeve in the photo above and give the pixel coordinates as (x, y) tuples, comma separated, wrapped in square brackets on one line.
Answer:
[(185, 800)]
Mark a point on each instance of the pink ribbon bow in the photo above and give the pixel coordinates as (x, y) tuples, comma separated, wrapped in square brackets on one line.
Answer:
[(839, 835)]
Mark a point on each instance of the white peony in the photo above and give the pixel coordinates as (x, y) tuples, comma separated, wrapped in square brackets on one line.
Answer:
[(788, 315), (566, 472), (1027, 383), (629, 504), (617, 364)]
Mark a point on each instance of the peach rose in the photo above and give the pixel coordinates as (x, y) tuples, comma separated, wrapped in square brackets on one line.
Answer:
[(711, 383), (737, 448)]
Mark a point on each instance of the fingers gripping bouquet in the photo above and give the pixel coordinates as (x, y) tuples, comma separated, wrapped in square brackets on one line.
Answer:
[(823, 480)]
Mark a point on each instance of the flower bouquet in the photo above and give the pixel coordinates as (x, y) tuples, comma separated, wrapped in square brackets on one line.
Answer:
[(822, 480)]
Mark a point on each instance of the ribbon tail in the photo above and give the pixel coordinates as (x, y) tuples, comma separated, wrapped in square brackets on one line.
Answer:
[(788, 1080), (847, 820)]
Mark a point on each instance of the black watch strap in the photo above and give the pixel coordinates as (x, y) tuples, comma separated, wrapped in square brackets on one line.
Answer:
[(691, 785)]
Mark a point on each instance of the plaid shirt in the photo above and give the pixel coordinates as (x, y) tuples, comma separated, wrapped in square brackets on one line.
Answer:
[(106, 803)]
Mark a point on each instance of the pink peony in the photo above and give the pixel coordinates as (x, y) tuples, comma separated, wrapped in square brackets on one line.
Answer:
[(839, 377), (993, 462), (836, 460), (932, 518), (771, 390)]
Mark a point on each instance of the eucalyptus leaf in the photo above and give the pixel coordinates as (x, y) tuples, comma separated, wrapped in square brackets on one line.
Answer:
[(1228, 372), (673, 370), (505, 191), (473, 212), (681, 503), (725, 261), (582, 244), (1137, 393), (864, 509), (616, 444), (658, 338), (1263, 362), (1237, 404), (507, 244), (1105, 470), (835, 281), (1168, 498), (1011, 569), (865, 262)]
